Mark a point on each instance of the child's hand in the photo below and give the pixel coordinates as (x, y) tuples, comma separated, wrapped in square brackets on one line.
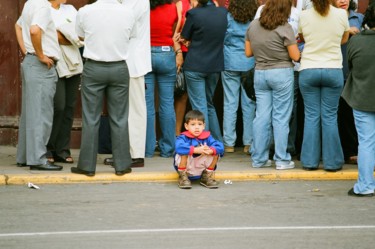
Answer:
[(207, 150)]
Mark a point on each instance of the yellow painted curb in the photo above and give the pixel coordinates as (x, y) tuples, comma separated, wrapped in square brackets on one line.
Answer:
[(250, 175), (16, 179), (286, 175), (3, 180)]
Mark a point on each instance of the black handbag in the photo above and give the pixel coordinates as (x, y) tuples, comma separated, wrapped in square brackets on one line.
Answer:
[(247, 82), (180, 84)]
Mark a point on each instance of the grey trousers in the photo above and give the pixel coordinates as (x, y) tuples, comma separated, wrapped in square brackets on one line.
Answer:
[(38, 89), (110, 79), (64, 105)]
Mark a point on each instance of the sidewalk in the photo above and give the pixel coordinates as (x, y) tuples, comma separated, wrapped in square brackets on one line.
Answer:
[(233, 166)]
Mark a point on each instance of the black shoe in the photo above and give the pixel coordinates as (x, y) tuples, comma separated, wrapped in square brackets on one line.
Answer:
[(123, 172), (333, 170), (77, 170), (138, 163), (108, 161), (22, 165), (352, 193), (46, 166), (309, 169)]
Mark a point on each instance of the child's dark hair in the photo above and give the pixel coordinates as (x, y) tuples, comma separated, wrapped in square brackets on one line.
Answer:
[(194, 114), (369, 18)]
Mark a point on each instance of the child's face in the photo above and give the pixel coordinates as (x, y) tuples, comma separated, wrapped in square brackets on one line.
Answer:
[(195, 127)]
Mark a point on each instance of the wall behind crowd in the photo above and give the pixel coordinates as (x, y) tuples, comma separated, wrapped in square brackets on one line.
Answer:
[(10, 80)]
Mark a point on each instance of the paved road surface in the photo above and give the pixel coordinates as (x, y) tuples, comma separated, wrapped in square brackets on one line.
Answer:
[(286, 214)]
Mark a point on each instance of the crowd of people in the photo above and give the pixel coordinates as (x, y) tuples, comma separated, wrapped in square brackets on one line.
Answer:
[(274, 60)]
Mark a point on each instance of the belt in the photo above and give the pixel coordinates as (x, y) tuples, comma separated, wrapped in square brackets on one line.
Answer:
[(34, 54), (104, 62)]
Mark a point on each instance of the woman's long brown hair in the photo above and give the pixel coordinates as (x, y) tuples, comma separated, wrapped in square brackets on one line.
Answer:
[(322, 6), (275, 13)]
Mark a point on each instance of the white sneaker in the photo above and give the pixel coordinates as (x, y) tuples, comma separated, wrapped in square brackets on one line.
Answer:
[(282, 166), (266, 164)]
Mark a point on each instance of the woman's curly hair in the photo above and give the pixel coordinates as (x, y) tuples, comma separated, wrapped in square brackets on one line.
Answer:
[(156, 3), (243, 11), (275, 13), (369, 18)]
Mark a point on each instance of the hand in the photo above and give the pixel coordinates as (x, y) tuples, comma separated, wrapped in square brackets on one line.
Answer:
[(46, 60), (353, 30), (207, 150), (176, 37)]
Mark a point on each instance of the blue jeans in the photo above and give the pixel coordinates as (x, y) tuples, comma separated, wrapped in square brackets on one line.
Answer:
[(321, 90), (274, 102), (163, 75), (233, 91), (365, 123), (201, 89)]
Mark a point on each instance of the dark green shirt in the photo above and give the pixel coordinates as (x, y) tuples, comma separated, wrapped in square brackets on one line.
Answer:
[(359, 91)]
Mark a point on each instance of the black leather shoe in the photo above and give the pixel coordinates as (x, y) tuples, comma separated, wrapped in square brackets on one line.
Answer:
[(352, 193), (309, 168), (22, 165), (123, 172), (108, 161), (333, 170), (77, 170), (138, 163), (46, 166)]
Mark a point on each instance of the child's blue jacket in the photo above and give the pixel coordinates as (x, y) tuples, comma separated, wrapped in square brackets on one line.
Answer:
[(186, 142)]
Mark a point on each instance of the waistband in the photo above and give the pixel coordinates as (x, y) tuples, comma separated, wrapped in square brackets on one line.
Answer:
[(33, 54), (162, 49), (104, 62)]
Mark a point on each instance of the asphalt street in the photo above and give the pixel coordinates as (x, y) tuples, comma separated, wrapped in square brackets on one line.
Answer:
[(260, 214)]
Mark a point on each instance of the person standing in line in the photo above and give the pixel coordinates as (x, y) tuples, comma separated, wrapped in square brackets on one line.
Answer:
[(204, 33), (69, 69), (293, 20), (359, 93), (139, 63), (166, 58), (323, 28), (240, 14), (37, 38), (106, 26), (272, 42), (347, 130)]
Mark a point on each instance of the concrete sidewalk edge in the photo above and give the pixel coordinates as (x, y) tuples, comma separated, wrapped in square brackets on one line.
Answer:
[(251, 175)]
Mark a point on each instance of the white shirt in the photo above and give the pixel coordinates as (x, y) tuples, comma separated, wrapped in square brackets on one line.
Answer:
[(304, 4), (293, 19), (139, 61), (65, 14), (106, 27), (38, 12)]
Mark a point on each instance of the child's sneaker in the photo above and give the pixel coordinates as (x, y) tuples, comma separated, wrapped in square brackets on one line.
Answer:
[(282, 166), (208, 179), (183, 180)]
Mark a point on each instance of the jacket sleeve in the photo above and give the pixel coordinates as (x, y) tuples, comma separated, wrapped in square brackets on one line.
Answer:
[(183, 146), (216, 146)]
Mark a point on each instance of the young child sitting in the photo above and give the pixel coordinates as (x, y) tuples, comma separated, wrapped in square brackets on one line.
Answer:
[(197, 153)]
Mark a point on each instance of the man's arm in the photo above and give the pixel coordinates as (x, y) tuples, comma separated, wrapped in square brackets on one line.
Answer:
[(20, 41), (36, 40)]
